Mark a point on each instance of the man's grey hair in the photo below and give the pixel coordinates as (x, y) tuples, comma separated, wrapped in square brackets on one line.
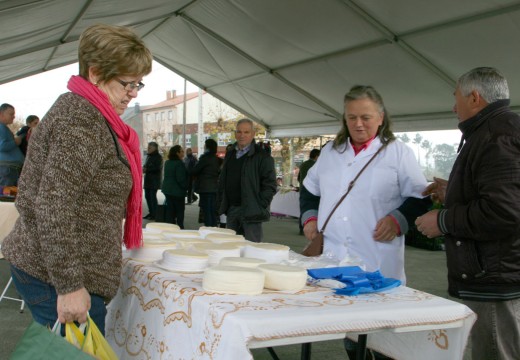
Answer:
[(487, 81), (245, 120)]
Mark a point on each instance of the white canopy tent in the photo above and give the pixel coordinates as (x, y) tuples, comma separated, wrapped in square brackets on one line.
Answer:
[(288, 63)]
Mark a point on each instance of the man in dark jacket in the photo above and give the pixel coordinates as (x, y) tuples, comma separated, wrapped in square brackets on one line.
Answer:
[(26, 131), (190, 161), (206, 172), (306, 165), (481, 218), (152, 171), (247, 184)]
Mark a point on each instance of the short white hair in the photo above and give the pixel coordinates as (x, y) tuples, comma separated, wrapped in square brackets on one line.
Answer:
[(487, 81)]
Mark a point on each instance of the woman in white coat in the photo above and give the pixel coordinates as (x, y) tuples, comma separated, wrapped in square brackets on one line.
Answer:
[(367, 224)]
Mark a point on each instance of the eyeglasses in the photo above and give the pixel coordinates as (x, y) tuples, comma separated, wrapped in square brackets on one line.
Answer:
[(130, 86)]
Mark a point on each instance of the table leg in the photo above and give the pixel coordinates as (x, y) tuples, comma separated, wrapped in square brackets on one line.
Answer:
[(306, 351), (273, 353), (361, 347)]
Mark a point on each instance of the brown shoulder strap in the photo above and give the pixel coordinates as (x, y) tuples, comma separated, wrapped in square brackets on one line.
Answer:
[(350, 186)]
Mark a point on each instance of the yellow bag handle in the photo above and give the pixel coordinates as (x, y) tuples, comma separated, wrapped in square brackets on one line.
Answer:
[(90, 340)]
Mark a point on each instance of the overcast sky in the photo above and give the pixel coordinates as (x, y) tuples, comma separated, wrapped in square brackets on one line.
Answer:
[(34, 95)]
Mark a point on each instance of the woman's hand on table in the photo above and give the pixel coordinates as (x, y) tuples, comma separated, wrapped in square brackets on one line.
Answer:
[(73, 306), (386, 229)]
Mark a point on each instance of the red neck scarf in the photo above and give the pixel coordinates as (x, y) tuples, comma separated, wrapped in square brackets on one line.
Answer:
[(130, 143)]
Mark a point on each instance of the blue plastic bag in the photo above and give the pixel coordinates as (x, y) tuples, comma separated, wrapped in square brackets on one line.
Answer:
[(357, 281)]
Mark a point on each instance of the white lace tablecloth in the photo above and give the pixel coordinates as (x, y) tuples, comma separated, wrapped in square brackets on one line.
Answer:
[(161, 315)]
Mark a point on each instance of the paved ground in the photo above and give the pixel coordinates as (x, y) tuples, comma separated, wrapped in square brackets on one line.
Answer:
[(426, 271)]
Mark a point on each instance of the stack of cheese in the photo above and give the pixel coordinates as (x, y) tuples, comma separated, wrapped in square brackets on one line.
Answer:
[(271, 253), (153, 247), (233, 280), (162, 226), (249, 276), (206, 230), (241, 262), (186, 238), (223, 238), (283, 277), (217, 251), (182, 260)]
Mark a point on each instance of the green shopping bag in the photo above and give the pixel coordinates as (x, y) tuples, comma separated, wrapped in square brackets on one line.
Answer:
[(41, 343)]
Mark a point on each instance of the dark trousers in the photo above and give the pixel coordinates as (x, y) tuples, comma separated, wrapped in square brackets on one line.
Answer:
[(252, 231), (191, 196), (207, 203), (175, 210), (151, 200)]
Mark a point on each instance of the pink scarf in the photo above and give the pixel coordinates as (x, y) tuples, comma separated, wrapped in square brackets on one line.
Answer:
[(130, 143)]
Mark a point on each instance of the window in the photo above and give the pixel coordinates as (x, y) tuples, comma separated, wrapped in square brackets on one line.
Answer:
[(147, 117), (156, 116), (170, 115)]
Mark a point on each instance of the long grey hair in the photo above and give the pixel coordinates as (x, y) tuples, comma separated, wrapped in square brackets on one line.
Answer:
[(357, 92)]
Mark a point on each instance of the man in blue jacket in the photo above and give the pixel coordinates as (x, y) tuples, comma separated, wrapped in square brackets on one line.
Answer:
[(11, 157), (247, 184)]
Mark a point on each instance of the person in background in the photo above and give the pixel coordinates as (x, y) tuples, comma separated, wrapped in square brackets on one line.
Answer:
[(366, 224), (26, 131), (304, 168), (279, 183), (247, 184), (190, 161), (11, 157), (175, 185), (206, 172), (480, 220), (222, 217), (152, 170), (81, 175), (306, 165)]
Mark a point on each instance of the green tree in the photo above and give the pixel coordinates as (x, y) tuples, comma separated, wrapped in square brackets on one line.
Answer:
[(444, 156), (404, 138), (427, 146), (417, 140)]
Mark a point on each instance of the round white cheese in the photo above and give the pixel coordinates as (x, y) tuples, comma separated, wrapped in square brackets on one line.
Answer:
[(241, 261), (271, 253), (284, 277), (233, 280)]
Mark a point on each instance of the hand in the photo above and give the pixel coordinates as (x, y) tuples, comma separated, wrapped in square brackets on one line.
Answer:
[(437, 190), (427, 224), (73, 306), (310, 230), (386, 229)]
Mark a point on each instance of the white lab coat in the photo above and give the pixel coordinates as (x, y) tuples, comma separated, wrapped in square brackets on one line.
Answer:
[(393, 176)]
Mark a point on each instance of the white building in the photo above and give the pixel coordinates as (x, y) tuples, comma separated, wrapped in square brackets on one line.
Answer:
[(162, 122)]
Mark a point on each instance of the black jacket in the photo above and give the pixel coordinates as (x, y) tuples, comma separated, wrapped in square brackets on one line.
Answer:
[(482, 208), (153, 171), (206, 172), (258, 183)]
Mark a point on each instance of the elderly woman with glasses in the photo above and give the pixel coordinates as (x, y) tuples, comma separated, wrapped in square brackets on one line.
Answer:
[(81, 178)]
